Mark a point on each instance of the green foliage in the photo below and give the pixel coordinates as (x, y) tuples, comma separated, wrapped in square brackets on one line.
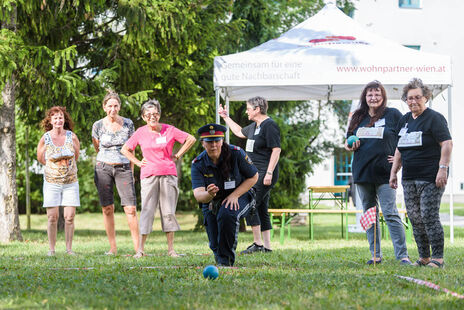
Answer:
[(69, 52)]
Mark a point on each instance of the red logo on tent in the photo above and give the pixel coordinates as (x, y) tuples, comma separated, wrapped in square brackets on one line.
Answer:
[(333, 38)]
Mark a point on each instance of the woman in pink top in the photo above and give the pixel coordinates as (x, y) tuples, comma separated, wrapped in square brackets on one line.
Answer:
[(158, 172)]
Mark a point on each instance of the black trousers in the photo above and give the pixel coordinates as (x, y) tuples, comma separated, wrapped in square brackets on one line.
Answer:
[(263, 194), (222, 229)]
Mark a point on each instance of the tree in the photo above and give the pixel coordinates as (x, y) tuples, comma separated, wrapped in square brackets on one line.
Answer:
[(9, 219), (75, 50)]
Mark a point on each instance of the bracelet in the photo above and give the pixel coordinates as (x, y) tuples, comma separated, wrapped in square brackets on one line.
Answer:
[(268, 172), (443, 167)]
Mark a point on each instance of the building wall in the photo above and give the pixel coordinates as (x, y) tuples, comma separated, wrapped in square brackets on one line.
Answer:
[(437, 28)]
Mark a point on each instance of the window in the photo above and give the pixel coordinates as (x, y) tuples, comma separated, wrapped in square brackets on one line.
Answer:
[(409, 4), (414, 47)]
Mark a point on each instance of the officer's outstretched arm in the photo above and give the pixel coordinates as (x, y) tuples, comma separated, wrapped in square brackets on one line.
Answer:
[(205, 195), (231, 201)]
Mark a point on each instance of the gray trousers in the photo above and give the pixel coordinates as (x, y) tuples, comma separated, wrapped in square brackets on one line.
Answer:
[(371, 195)]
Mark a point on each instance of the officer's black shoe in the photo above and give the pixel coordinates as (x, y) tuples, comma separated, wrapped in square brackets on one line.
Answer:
[(253, 248)]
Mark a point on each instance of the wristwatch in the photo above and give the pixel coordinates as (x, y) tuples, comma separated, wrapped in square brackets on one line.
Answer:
[(269, 172), (443, 167)]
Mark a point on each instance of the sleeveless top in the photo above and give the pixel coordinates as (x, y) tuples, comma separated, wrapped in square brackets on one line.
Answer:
[(60, 163)]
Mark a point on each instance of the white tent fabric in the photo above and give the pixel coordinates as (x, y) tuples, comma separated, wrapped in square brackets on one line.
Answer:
[(328, 56)]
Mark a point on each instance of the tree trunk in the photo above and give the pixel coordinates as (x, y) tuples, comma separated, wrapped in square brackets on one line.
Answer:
[(9, 217)]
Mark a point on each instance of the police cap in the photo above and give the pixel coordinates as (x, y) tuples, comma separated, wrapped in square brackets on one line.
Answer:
[(212, 132)]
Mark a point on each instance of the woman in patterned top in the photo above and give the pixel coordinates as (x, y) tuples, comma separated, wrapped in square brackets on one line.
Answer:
[(109, 135), (58, 150)]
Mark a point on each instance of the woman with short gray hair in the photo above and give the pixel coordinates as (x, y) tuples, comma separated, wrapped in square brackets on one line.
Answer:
[(263, 147), (158, 172), (424, 150)]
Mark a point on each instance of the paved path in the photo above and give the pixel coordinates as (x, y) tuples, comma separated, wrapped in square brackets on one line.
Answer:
[(458, 220)]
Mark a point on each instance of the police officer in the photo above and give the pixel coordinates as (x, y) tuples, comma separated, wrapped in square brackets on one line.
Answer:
[(222, 181)]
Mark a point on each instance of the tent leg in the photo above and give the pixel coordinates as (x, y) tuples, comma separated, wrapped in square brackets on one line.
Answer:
[(451, 185), (228, 131), (217, 106)]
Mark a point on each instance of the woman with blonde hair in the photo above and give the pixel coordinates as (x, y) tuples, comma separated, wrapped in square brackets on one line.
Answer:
[(112, 168)]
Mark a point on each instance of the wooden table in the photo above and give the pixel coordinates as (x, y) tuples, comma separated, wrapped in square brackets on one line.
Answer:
[(336, 193)]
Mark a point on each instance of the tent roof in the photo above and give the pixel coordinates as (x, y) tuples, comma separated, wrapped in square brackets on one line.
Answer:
[(328, 56)]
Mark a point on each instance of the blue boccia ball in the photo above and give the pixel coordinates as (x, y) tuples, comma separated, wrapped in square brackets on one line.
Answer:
[(210, 272), (351, 140)]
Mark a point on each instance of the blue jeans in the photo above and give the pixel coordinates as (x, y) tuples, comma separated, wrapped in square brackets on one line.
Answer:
[(371, 195)]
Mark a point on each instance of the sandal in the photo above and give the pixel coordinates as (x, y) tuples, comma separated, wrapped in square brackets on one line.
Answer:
[(51, 253), (109, 253), (139, 254), (435, 264), (173, 254), (70, 252), (419, 263)]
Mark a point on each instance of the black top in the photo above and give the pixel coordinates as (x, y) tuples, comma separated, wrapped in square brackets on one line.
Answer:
[(261, 141), (205, 172), (370, 164), (419, 146)]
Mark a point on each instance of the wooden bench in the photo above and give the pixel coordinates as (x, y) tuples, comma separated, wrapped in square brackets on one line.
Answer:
[(286, 215)]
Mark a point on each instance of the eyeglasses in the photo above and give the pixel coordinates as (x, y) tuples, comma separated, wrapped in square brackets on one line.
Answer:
[(150, 116), (417, 98)]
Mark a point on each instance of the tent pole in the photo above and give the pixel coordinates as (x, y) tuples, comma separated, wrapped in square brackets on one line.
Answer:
[(217, 106), (228, 131), (451, 185)]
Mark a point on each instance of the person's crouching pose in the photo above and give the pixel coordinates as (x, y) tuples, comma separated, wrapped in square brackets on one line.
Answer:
[(222, 181)]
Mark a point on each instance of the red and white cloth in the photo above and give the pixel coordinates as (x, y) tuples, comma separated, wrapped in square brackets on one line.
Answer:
[(368, 218)]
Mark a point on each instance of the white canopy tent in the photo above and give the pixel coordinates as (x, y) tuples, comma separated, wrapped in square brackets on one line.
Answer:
[(330, 57)]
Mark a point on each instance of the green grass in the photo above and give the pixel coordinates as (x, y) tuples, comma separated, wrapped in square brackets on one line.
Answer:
[(328, 273)]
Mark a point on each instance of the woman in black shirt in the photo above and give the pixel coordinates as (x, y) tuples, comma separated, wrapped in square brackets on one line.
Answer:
[(263, 147), (424, 150), (375, 124)]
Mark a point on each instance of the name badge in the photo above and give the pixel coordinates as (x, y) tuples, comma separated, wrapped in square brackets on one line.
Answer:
[(257, 130), (249, 145), (160, 140), (411, 139), (229, 184), (370, 132), (402, 131), (380, 123)]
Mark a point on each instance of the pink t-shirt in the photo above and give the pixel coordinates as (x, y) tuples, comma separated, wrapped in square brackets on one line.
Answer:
[(157, 149)]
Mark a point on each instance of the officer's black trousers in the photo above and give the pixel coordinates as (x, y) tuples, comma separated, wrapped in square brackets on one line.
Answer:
[(222, 229)]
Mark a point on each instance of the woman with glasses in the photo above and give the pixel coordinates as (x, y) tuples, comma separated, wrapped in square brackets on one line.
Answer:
[(263, 147), (375, 126), (158, 172), (424, 151)]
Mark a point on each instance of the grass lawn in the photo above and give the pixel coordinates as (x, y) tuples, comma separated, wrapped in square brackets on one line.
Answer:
[(328, 273)]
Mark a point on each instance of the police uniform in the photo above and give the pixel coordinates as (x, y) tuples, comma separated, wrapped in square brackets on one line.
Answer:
[(222, 224)]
